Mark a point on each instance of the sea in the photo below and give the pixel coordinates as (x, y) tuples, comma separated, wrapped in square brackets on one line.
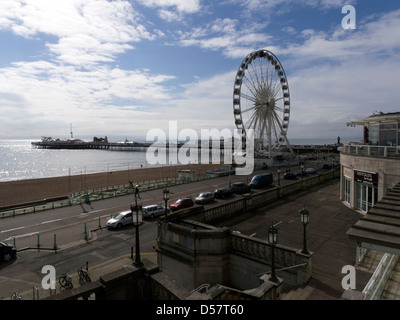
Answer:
[(19, 160)]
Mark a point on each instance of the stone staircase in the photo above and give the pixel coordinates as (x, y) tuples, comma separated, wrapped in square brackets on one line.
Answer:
[(299, 293)]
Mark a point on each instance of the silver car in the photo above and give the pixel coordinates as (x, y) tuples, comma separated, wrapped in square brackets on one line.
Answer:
[(121, 219), (204, 197), (152, 211)]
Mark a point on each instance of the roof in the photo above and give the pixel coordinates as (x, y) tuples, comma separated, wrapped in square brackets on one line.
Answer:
[(380, 227), (378, 118)]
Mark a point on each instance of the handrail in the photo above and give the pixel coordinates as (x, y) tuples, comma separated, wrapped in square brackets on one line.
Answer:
[(375, 286), (372, 151)]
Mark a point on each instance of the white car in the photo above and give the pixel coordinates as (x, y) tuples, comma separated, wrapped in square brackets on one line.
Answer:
[(204, 197), (152, 211), (310, 171), (121, 219)]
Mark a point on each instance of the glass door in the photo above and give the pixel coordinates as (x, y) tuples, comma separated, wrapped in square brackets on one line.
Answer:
[(367, 195)]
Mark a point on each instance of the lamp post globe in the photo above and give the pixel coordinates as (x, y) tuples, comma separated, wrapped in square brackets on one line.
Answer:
[(272, 240), (305, 219)]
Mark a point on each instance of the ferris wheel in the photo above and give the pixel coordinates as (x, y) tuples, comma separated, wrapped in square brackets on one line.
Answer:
[(261, 101)]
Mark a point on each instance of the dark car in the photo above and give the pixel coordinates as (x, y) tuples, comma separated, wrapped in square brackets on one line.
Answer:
[(222, 193), (327, 166), (289, 175), (301, 173), (181, 204), (240, 187), (261, 180), (7, 251)]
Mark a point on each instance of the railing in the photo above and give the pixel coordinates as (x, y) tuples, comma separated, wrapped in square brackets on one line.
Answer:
[(372, 151), (77, 198), (375, 286), (260, 249)]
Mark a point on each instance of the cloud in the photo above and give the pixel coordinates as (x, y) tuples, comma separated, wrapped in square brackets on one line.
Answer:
[(88, 31), (52, 92), (226, 35), (173, 10)]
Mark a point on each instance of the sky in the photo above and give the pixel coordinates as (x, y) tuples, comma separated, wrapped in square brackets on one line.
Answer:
[(121, 68)]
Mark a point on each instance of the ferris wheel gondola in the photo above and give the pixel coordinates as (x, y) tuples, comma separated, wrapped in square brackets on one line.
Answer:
[(261, 101)]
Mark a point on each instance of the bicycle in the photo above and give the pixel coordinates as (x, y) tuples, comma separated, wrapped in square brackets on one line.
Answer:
[(15, 296), (83, 274), (65, 281)]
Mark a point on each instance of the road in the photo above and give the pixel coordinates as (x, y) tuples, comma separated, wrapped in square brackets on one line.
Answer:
[(65, 228)]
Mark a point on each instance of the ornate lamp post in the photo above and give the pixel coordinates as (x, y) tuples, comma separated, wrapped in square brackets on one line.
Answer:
[(137, 263), (279, 176), (166, 198), (305, 219), (273, 240)]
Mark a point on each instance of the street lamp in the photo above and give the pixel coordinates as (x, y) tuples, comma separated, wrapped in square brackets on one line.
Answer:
[(305, 219), (279, 177), (166, 198), (272, 240), (137, 263)]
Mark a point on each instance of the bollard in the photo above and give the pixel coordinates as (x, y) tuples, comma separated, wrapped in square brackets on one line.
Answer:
[(86, 236), (38, 243), (99, 223), (55, 243), (14, 242)]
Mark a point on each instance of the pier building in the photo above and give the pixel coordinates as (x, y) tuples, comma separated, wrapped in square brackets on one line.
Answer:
[(370, 169)]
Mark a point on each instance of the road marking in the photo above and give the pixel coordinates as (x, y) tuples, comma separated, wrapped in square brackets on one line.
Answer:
[(21, 236), (12, 229), (50, 221)]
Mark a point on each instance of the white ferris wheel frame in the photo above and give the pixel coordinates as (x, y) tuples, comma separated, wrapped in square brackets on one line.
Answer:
[(265, 95)]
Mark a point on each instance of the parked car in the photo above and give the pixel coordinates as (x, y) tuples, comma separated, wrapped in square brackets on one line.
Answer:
[(301, 173), (261, 180), (181, 204), (240, 187), (222, 193), (7, 251), (204, 197), (152, 211), (121, 219), (327, 166), (289, 175), (311, 171)]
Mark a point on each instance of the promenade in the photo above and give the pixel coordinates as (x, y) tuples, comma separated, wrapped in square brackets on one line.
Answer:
[(326, 239)]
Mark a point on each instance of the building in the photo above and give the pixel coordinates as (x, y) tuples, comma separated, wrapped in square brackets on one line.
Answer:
[(372, 168)]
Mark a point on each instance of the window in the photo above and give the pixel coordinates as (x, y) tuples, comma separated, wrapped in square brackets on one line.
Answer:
[(346, 189), (373, 135), (388, 138)]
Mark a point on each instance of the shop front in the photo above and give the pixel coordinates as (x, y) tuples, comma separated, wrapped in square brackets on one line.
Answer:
[(366, 189)]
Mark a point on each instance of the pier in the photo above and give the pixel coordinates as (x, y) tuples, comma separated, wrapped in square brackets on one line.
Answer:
[(104, 144)]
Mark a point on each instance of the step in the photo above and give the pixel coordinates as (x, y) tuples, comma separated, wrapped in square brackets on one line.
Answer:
[(391, 198), (300, 293), (390, 207), (394, 202)]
